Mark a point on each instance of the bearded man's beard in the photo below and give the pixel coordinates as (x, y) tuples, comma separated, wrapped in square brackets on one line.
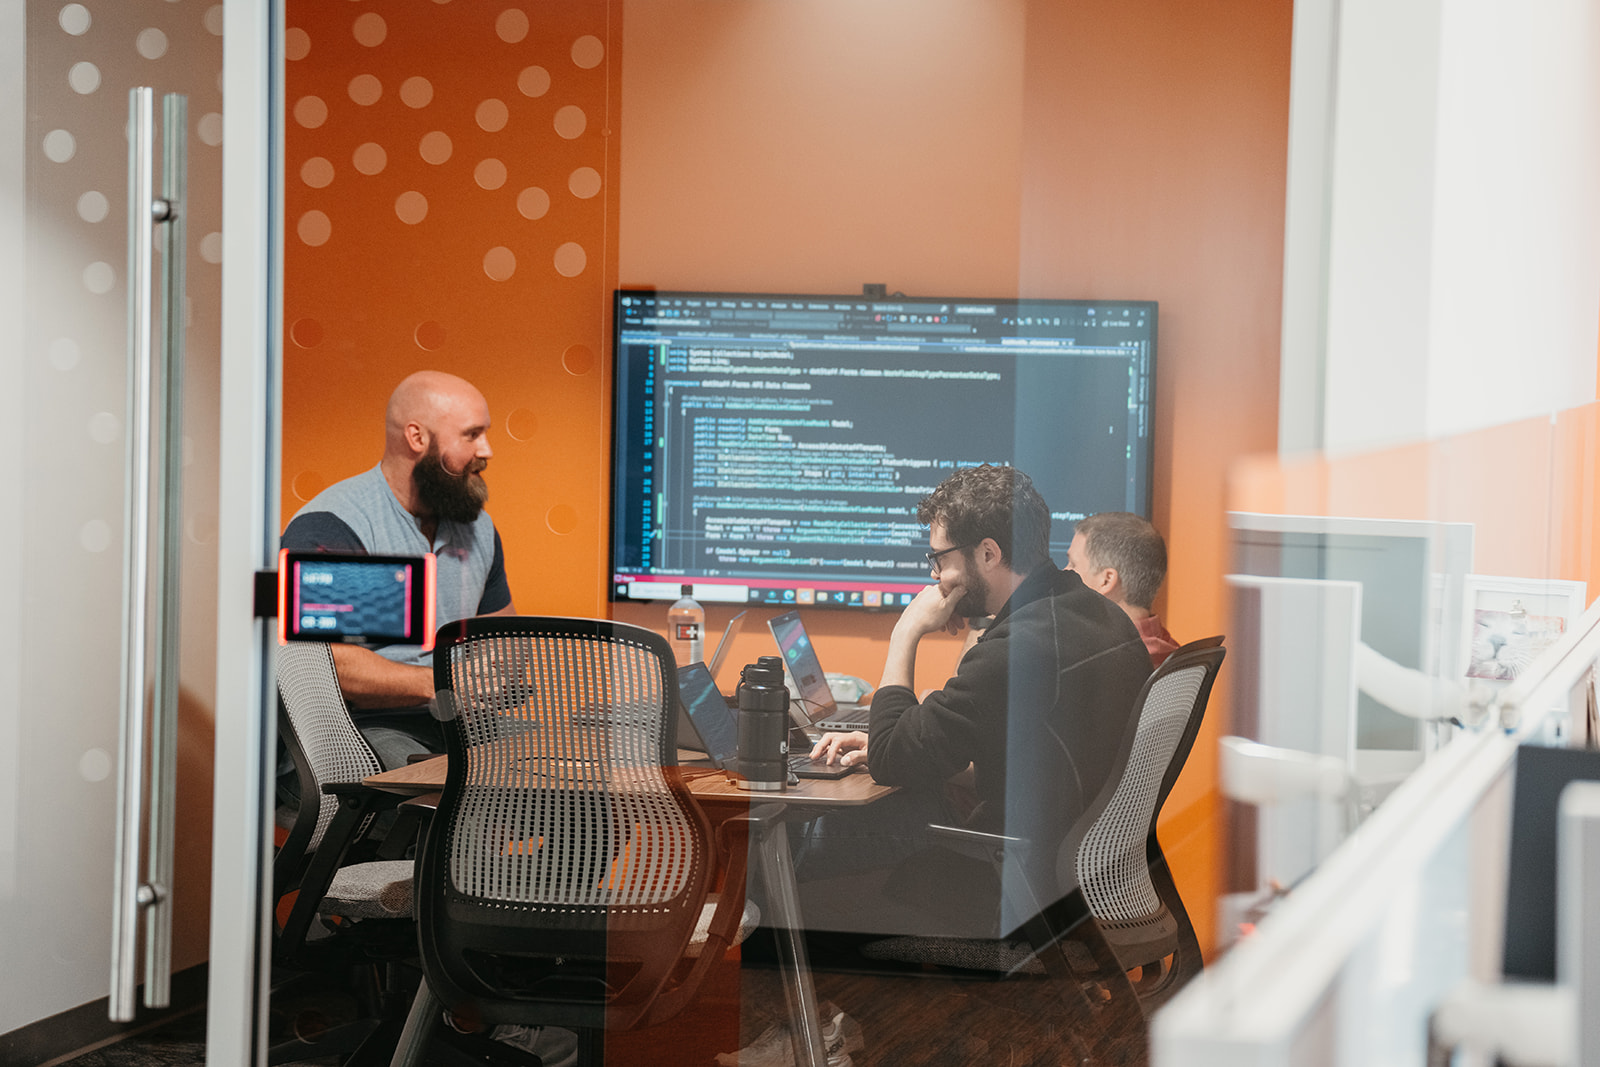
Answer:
[(973, 601), (457, 497)]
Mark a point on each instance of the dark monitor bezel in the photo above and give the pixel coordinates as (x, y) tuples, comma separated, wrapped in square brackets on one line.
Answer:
[(850, 599), (421, 607)]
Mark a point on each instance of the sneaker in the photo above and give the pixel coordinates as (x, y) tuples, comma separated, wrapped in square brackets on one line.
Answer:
[(771, 1048), (554, 1045), (841, 1035)]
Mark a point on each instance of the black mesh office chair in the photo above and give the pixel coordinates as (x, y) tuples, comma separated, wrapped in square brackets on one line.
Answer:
[(1119, 862), (1111, 857), (346, 915), (567, 864), (331, 758)]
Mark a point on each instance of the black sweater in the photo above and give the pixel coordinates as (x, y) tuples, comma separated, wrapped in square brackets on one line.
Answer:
[(1039, 706)]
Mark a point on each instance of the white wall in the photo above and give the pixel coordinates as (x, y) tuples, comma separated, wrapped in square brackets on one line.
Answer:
[(1461, 246), (1380, 228), (12, 273), (1516, 212), (64, 559)]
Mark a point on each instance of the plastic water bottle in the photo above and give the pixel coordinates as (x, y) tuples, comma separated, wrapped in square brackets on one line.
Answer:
[(686, 628)]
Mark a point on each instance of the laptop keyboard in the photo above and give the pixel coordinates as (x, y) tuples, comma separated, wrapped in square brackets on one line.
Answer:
[(806, 763)]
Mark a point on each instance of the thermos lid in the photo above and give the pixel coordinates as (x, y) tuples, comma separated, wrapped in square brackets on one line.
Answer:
[(768, 670)]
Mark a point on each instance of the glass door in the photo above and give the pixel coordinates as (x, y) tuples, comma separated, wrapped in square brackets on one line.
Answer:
[(66, 70)]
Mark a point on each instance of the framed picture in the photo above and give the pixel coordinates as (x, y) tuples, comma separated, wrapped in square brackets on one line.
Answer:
[(1509, 621)]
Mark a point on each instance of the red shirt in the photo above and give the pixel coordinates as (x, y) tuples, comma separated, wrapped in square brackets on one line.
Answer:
[(1157, 641)]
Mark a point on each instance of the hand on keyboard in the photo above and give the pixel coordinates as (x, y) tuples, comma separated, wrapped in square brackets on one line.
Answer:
[(849, 749)]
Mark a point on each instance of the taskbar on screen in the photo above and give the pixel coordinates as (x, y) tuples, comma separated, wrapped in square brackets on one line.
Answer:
[(822, 594)]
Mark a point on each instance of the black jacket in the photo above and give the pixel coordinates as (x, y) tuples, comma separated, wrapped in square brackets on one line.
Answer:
[(1039, 706)]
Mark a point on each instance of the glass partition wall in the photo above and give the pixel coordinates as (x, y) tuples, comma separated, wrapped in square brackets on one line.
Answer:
[(1383, 884), (68, 282), (1423, 531), (465, 188), (1468, 556)]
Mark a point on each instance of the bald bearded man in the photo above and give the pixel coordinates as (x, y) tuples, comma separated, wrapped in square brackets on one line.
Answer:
[(426, 495)]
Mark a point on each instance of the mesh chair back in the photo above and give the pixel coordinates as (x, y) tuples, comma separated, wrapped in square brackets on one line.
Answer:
[(567, 863), (329, 745), (1112, 858)]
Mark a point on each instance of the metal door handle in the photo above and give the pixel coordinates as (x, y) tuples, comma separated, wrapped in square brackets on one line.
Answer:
[(146, 772)]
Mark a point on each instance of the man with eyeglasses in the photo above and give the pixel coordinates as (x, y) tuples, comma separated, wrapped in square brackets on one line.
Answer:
[(1038, 706)]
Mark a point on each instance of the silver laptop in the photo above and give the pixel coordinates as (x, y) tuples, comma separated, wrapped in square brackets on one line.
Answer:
[(720, 656), (816, 707)]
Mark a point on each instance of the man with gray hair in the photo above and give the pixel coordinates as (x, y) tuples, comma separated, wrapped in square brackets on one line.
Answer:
[(1122, 557)]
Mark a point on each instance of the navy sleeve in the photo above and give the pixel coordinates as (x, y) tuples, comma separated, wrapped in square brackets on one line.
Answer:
[(320, 531), (496, 590)]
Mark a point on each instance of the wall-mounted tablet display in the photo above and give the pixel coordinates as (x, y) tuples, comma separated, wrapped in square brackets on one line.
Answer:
[(356, 599), (771, 449)]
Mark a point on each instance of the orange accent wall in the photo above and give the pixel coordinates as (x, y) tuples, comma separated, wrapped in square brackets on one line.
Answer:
[(451, 202), (1094, 148), (1088, 149)]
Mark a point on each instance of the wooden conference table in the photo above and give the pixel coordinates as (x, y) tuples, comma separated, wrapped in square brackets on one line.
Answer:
[(767, 812), (709, 786)]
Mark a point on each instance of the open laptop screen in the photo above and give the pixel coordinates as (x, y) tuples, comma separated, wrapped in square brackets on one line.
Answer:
[(720, 656), (708, 712), (816, 699)]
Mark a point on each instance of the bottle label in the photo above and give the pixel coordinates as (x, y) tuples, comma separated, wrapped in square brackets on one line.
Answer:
[(686, 631)]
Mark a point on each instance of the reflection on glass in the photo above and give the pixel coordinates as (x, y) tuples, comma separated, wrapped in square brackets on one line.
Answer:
[(1410, 575), (1381, 604), (1349, 660)]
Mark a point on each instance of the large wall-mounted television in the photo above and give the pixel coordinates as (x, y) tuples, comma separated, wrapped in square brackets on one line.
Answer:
[(772, 448)]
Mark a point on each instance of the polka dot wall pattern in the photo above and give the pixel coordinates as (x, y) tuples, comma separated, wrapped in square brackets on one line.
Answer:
[(83, 58), (452, 204), (435, 135)]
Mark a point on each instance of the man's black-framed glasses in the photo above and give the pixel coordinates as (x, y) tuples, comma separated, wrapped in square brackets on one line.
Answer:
[(933, 557)]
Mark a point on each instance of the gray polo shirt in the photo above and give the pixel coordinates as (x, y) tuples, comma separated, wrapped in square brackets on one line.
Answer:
[(361, 514)]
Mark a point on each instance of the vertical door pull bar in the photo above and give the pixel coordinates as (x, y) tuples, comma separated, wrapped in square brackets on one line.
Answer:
[(133, 891), (136, 559), (168, 209)]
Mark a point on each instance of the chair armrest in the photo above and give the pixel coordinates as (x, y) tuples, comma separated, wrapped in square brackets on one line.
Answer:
[(356, 803), (427, 803), (412, 818), (725, 919), (1009, 857), (726, 923), (976, 844), (356, 789)]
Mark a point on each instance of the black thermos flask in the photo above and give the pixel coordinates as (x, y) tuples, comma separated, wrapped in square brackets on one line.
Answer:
[(763, 725)]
